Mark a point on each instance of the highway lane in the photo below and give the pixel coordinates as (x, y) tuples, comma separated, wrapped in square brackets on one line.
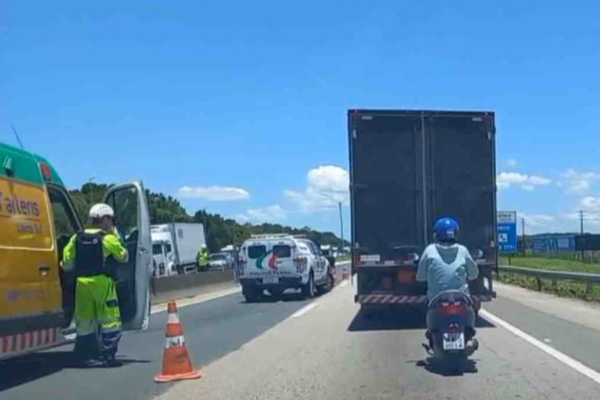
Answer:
[(212, 329), (332, 352)]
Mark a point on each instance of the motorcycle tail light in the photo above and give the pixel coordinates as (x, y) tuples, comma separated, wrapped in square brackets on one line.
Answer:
[(452, 308)]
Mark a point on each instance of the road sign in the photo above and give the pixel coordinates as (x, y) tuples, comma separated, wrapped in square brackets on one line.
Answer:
[(507, 231)]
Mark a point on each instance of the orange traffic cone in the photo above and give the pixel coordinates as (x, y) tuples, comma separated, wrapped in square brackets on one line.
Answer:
[(177, 364)]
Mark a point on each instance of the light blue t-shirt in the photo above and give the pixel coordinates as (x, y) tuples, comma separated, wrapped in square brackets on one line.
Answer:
[(446, 268)]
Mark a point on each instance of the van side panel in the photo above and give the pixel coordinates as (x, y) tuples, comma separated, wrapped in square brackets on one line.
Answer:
[(29, 280)]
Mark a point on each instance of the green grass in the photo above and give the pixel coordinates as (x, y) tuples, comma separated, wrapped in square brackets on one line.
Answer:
[(551, 264), (562, 288)]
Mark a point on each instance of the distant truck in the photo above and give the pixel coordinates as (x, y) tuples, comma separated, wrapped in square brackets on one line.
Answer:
[(407, 169), (175, 248)]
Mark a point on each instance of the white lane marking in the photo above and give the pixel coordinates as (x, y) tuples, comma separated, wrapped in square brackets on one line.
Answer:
[(304, 310), (343, 283), (547, 340), (576, 365), (190, 302)]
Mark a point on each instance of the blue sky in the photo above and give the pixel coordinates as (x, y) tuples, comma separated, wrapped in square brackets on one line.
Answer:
[(240, 101)]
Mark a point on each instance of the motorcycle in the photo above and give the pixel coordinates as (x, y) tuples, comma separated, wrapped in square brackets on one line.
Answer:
[(449, 335)]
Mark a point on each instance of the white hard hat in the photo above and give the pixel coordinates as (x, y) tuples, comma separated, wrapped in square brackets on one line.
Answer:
[(101, 210)]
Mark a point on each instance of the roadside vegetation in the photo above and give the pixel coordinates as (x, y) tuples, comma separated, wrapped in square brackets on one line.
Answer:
[(565, 262), (220, 231)]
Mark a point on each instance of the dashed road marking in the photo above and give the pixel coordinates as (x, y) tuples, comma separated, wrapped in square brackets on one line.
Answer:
[(304, 310), (565, 359)]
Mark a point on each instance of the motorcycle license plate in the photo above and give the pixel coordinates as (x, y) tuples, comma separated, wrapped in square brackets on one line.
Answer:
[(454, 341)]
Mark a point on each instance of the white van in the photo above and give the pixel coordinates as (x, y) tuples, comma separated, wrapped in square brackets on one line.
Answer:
[(276, 262)]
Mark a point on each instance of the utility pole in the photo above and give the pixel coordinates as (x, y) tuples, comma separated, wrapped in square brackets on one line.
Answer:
[(341, 249), (524, 244), (341, 219), (581, 218)]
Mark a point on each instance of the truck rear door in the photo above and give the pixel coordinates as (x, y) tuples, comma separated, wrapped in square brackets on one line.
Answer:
[(386, 194), (386, 175), (132, 219), (461, 176)]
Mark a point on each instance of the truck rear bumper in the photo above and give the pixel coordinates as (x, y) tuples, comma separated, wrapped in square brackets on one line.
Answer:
[(403, 299)]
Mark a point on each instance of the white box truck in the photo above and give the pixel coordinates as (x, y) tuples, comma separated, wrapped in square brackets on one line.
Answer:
[(175, 248)]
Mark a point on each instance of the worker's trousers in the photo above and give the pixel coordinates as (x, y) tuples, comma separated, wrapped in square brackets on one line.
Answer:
[(97, 317)]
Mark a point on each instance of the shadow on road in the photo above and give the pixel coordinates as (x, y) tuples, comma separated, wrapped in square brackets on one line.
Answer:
[(26, 369), (445, 367), (396, 319)]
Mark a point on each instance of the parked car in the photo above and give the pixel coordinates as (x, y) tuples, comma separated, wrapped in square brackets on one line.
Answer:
[(220, 261), (276, 262)]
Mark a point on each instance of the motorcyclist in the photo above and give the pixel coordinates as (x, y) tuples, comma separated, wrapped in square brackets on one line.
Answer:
[(446, 265)]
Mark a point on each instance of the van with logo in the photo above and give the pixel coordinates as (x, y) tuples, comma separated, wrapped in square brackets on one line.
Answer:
[(37, 218), (276, 262)]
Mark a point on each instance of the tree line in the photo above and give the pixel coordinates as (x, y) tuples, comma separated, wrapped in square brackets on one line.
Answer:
[(220, 231)]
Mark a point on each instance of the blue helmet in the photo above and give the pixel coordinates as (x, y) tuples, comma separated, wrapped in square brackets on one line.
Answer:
[(445, 229)]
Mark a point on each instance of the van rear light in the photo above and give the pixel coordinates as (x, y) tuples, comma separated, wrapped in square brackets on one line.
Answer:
[(300, 263)]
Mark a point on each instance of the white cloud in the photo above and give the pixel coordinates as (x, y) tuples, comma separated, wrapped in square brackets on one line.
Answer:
[(274, 213), (590, 203), (326, 186), (511, 162), (579, 181), (214, 193), (527, 182), (537, 223)]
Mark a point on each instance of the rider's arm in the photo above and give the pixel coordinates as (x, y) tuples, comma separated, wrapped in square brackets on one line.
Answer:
[(472, 268), (114, 247), (423, 266)]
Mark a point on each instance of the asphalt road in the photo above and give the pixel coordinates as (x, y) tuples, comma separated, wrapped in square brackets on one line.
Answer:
[(325, 348), (212, 329)]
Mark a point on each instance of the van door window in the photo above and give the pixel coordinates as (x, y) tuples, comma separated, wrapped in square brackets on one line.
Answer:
[(125, 205), (282, 251), (66, 223), (255, 252)]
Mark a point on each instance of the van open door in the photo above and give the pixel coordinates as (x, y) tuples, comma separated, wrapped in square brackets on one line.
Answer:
[(132, 219)]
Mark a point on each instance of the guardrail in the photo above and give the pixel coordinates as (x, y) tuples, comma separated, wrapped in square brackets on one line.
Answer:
[(163, 289), (589, 279)]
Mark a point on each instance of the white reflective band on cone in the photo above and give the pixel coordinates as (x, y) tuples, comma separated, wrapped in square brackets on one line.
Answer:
[(173, 319), (177, 341)]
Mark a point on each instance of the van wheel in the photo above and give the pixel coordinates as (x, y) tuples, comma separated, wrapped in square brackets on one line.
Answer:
[(252, 295), (308, 290)]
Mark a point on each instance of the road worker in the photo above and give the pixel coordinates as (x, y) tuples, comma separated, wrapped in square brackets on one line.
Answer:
[(97, 316), (203, 259)]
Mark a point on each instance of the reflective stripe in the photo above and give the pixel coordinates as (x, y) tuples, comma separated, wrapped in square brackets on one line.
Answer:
[(177, 341), (173, 319), (28, 341)]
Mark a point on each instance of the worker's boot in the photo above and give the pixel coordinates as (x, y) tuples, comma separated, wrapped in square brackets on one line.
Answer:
[(109, 361)]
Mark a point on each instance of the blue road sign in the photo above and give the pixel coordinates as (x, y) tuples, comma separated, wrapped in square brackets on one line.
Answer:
[(507, 231)]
